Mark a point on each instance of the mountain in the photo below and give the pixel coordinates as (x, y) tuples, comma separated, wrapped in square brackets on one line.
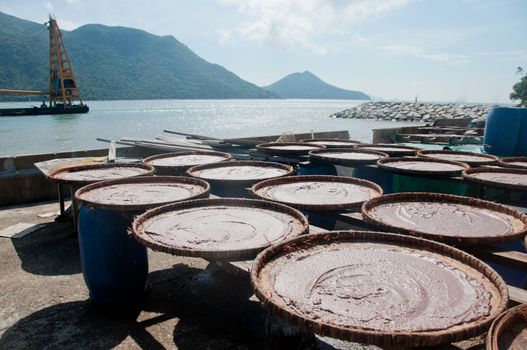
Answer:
[(115, 63), (308, 85)]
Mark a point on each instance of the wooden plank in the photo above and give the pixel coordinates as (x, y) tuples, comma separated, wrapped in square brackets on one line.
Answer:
[(198, 137), (517, 295), (315, 229), (353, 218), (344, 134), (513, 259)]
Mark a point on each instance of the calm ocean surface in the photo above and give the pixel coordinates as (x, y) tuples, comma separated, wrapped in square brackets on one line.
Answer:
[(147, 119)]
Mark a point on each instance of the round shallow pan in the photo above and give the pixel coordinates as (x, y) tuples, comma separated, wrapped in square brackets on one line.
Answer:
[(393, 150), (379, 288), (443, 217), (346, 156), (514, 162), (141, 193), (470, 158), (317, 192), (422, 166), (332, 143), (279, 148), (178, 162), (86, 174), (511, 179), (509, 330), (227, 228), (239, 172)]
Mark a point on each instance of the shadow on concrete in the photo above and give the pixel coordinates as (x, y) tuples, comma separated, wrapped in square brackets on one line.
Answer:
[(70, 325), (50, 251), (213, 308), (173, 312)]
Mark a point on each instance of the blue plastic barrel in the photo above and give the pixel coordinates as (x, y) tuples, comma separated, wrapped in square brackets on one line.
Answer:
[(381, 177), (114, 264), (224, 190), (521, 145), (234, 178), (317, 169), (322, 219), (502, 130), (514, 277)]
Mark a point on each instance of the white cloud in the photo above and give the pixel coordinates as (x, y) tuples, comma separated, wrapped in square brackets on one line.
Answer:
[(68, 25), (301, 24), (49, 6), (439, 57), (507, 56)]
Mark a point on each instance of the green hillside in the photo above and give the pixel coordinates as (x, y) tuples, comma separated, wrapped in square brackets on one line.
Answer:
[(308, 85), (115, 63)]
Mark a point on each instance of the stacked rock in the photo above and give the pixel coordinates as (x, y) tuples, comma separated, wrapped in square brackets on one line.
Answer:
[(414, 112)]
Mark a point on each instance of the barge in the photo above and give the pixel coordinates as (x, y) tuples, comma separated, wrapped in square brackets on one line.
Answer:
[(64, 94), (19, 112)]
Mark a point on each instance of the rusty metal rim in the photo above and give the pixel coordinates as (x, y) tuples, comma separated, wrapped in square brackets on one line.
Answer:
[(486, 159), (247, 253), (506, 319), (52, 175), (318, 155), (343, 142), (264, 147), (361, 335), (190, 172), (443, 198), (323, 178), (141, 180), (506, 162), (408, 150), (385, 164), (226, 157), (468, 175)]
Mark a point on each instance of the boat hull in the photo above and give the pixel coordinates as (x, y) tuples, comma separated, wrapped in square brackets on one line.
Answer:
[(19, 112)]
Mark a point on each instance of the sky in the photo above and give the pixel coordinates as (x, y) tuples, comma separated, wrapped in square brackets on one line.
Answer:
[(437, 50)]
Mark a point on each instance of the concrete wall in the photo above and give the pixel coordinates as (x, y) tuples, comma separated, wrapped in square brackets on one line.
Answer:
[(388, 135), (21, 182)]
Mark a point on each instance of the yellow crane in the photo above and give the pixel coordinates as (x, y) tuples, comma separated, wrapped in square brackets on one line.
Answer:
[(64, 94)]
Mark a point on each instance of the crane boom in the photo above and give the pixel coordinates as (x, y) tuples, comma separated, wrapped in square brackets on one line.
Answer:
[(23, 92), (63, 89)]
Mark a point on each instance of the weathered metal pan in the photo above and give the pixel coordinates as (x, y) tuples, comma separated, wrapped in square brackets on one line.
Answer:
[(332, 143), (512, 179), (177, 163), (422, 166), (470, 158), (293, 148), (317, 192), (378, 288), (141, 193), (346, 156), (509, 330), (393, 150), (81, 175), (447, 218), (226, 228)]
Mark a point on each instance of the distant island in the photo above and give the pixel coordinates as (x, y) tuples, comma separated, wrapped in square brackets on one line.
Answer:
[(309, 86), (115, 63)]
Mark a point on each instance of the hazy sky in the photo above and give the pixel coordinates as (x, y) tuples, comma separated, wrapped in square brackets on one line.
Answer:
[(440, 50)]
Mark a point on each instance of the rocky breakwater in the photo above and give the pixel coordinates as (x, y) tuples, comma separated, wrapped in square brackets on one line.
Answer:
[(414, 112)]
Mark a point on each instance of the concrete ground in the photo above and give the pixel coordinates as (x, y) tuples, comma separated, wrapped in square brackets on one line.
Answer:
[(189, 303), (44, 301)]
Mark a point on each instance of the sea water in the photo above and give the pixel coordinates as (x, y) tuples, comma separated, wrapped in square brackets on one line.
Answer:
[(148, 118)]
